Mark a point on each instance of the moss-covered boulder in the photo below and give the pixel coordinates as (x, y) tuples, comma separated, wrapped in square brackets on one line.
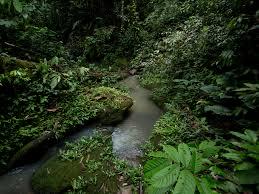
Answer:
[(114, 102), (87, 165)]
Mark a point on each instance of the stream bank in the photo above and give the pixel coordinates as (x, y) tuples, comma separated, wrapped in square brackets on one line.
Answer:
[(127, 137)]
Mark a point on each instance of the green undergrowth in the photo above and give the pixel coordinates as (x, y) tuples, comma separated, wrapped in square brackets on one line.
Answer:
[(200, 63), (68, 113), (177, 126), (201, 55), (87, 166)]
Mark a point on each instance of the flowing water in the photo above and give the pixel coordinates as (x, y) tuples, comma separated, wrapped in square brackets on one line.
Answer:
[(127, 137)]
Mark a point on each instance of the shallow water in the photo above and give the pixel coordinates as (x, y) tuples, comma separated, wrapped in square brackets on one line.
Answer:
[(128, 136)]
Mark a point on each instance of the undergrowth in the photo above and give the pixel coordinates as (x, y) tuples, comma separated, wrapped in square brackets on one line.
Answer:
[(95, 168)]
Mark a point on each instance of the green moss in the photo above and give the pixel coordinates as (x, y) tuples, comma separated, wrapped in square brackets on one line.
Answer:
[(114, 104), (55, 175), (8, 63), (87, 165), (177, 126)]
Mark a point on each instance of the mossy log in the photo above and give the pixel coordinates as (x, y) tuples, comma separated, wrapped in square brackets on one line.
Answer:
[(32, 147), (8, 63)]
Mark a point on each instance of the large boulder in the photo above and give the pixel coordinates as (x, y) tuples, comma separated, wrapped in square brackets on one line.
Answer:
[(115, 104)]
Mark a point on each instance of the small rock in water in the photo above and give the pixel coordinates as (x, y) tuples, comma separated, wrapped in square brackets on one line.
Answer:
[(121, 178), (125, 190), (133, 72)]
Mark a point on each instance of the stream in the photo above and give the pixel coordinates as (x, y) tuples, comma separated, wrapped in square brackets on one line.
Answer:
[(127, 137)]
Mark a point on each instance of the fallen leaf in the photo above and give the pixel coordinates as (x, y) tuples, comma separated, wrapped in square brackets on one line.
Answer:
[(100, 97), (52, 109)]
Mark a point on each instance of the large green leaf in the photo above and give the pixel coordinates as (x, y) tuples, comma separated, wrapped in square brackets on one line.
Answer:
[(250, 176), (210, 89), (255, 156), (244, 166), (54, 81), (217, 171), (184, 154), (218, 109), (159, 154), (252, 135), (203, 186), (165, 177), (17, 5), (185, 183), (196, 163), (248, 135), (229, 187), (155, 190), (172, 153), (154, 165), (208, 148), (234, 156), (250, 147)]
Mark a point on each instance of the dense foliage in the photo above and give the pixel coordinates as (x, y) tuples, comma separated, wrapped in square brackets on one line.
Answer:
[(93, 168), (201, 62), (48, 65), (199, 58)]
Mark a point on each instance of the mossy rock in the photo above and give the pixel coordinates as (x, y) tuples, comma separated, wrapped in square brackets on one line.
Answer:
[(91, 165), (115, 104)]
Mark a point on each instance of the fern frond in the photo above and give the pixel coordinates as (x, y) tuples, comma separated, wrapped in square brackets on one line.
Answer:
[(249, 136)]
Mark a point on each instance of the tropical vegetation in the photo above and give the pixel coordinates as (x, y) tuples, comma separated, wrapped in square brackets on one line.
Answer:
[(60, 67)]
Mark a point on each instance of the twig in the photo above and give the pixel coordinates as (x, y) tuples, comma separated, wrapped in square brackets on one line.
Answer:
[(23, 49)]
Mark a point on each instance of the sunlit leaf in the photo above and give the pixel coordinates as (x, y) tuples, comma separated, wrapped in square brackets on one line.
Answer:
[(154, 165), (17, 5), (166, 176), (54, 82), (172, 153)]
